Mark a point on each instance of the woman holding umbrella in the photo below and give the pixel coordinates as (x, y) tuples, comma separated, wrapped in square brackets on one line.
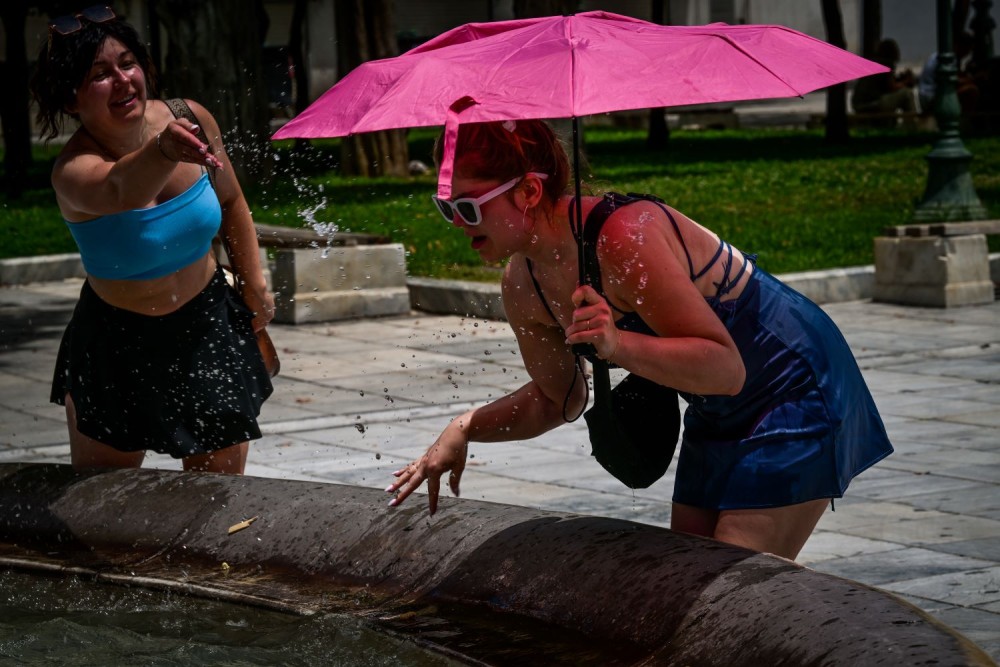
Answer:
[(779, 418)]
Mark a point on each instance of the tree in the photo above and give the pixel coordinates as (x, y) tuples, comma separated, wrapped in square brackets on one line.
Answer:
[(14, 103), (837, 130), (365, 32), (527, 9), (297, 52), (214, 56), (659, 132), (871, 27)]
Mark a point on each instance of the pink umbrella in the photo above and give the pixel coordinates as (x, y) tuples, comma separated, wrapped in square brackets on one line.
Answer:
[(570, 66)]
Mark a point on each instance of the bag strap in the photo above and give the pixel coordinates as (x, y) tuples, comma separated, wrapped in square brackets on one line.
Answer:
[(598, 215), (180, 109)]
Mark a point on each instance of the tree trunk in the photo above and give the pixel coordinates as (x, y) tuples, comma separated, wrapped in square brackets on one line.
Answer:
[(297, 51), (837, 131), (14, 103), (528, 9), (871, 27), (214, 57), (658, 138), (365, 32)]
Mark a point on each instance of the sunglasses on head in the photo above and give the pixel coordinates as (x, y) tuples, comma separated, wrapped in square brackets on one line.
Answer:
[(67, 25), (468, 207)]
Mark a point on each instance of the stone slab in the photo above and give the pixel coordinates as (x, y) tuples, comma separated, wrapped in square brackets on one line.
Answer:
[(941, 272), (458, 297), (327, 284)]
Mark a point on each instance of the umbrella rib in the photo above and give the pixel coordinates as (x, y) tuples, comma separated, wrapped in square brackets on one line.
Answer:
[(752, 57), (567, 31)]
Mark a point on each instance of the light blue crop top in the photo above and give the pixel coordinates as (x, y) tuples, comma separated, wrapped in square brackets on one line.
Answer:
[(150, 242)]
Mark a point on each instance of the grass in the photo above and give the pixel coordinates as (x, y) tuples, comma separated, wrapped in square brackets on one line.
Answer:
[(783, 194)]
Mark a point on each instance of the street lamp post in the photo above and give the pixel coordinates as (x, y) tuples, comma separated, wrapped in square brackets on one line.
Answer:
[(949, 194)]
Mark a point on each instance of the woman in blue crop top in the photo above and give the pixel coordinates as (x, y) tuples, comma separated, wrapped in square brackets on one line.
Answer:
[(779, 419), (160, 354)]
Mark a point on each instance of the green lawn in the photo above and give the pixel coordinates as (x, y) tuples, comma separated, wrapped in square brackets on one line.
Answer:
[(783, 194)]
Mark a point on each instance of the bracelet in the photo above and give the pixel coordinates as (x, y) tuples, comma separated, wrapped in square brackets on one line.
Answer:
[(618, 341), (160, 146)]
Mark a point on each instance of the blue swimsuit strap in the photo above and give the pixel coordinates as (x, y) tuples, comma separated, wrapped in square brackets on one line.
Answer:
[(726, 285)]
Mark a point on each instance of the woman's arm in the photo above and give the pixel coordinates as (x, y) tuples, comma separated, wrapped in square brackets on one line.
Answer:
[(556, 384), (642, 262), (237, 226), (89, 183)]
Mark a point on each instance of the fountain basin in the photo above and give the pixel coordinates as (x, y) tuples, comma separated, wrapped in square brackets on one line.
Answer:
[(493, 583)]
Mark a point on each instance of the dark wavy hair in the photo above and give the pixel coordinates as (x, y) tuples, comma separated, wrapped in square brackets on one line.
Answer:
[(64, 61), (491, 151)]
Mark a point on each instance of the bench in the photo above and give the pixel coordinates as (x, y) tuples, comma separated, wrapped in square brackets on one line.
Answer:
[(942, 264), (321, 278), (945, 229), (276, 236), (910, 120)]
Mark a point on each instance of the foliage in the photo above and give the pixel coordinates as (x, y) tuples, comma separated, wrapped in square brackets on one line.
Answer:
[(797, 202)]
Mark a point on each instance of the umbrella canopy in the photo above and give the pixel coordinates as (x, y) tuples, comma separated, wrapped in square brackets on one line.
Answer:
[(571, 66)]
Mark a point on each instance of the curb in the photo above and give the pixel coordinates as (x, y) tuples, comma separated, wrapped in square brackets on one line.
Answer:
[(482, 300), (41, 269)]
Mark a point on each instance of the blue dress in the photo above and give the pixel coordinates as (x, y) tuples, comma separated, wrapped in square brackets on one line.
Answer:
[(804, 424)]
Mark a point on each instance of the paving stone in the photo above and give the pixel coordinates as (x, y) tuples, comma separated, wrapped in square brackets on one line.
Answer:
[(976, 499), (987, 548), (930, 528), (965, 588), (904, 565), (824, 545)]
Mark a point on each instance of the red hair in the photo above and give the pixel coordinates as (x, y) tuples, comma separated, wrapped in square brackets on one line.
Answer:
[(490, 151)]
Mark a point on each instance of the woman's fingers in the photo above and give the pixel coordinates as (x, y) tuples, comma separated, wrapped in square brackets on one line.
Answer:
[(585, 294), (455, 476), (179, 142), (410, 479), (412, 476), (433, 489)]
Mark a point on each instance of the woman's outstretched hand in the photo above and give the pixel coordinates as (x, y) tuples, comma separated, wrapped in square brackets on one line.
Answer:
[(179, 142), (446, 455), (593, 322)]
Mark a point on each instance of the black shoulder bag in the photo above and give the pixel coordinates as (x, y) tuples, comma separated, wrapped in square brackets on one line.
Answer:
[(633, 427), (180, 109)]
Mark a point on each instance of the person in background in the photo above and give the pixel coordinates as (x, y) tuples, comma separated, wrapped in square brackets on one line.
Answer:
[(888, 92), (966, 87), (160, 353), (779, 418)]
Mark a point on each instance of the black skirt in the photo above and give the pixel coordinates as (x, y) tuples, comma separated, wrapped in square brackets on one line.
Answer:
[(189, 382)]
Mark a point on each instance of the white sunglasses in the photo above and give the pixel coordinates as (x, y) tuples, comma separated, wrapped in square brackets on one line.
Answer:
[(468, 207)]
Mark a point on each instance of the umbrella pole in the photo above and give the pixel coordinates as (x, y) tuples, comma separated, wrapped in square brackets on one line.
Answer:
[(579, 349), (577, 208)]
